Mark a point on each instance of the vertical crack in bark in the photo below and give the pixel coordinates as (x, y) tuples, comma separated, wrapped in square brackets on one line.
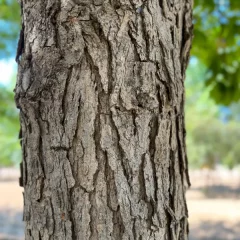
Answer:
[(108, 175), (99, 30), (118, 226), (145, 34), (160, 103), (93, 214), (134, 229), (23, 143), (187, 35), (185, 149), (53, 215), (64, 97), (41, 162), (71, 217), (171, 169), (97, 137), (134, 116), (182, 150), (53, 12), (41, 151), (181, 154), (154, 126), (169, 198), (166, 88), (142, 186), (143, 193), (125, 166), (135, 46), (24, 124), (172, 189), (21, 163), (75, 165)]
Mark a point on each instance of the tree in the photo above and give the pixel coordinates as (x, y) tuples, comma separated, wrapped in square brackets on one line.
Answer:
[(100, 90), (212, 130), (217, 44), (9, 126), (9, 26)]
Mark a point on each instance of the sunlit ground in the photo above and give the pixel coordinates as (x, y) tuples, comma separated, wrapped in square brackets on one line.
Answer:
[(11, 205), (214, 205), (213, 201)]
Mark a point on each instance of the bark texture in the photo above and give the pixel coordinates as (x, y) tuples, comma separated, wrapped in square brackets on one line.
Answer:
[(101, 92)]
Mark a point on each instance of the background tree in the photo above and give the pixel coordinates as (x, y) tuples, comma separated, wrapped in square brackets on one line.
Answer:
[(9, 120), (217, 45), (9, 127), (9, 27), (212, 130)]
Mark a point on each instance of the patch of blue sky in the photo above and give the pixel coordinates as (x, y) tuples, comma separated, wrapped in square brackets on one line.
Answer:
[(8, 68), (9, 35), (8, 27)]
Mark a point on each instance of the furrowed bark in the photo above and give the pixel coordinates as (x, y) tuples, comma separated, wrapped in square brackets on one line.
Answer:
[(101, 95)]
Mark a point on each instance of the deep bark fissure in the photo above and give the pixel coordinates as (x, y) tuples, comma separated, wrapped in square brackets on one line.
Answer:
[(124, 164), (69, 76), (118, 227), (71, 217), (154, 126), (146, 38)]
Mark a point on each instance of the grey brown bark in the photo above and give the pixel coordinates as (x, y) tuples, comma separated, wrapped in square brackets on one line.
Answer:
[(101, 92)]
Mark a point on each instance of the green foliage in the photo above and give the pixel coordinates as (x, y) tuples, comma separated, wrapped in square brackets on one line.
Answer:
[(9, 128), (9, 27), (10, 10), (9, 122), (220, 142), (217, 45), (210, 140)]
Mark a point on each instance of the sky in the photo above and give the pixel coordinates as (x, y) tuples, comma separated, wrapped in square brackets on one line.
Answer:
[(7, 70)]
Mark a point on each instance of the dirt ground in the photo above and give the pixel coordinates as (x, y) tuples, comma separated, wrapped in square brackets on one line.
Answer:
[(11, 204), (214, 211)]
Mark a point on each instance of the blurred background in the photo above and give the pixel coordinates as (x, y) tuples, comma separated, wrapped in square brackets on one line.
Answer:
[(212, 122)]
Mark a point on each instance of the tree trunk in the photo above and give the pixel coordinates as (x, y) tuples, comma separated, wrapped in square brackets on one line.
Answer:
[(101, 91)]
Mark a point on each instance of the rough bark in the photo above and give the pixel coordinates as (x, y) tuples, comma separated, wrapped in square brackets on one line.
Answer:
[(101, 92)]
